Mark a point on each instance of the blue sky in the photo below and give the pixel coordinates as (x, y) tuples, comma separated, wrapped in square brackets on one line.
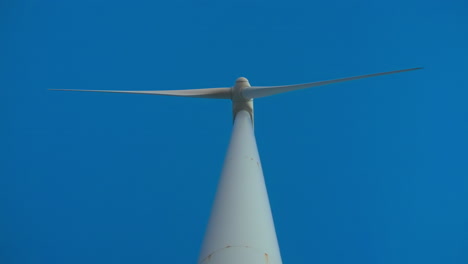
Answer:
[(370, 171)]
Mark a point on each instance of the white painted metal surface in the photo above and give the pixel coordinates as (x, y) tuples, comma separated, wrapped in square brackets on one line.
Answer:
[(241, 228)]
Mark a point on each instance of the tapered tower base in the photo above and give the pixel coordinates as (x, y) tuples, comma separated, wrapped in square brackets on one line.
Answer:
[(241, 229)]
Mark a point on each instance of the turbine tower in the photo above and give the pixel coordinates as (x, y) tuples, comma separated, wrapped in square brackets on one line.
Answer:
[(241, 228)]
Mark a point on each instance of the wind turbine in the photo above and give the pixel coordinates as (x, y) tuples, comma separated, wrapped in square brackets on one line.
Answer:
[(241, 228)]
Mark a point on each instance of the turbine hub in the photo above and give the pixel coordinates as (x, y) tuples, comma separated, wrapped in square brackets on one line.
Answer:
[(241, 84), (239, 102), (241, 79)]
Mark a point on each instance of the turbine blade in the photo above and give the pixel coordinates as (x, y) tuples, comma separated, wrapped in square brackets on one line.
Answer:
[(262, 91), (214, 93)]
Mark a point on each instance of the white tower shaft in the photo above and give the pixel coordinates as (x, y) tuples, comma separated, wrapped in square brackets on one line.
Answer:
[(241, 229)]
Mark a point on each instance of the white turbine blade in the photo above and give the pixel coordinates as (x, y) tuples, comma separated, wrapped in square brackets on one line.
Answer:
[(214, 93), (262, 91)]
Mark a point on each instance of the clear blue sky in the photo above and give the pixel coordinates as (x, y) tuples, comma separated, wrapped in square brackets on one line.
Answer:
[(371, 171)]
